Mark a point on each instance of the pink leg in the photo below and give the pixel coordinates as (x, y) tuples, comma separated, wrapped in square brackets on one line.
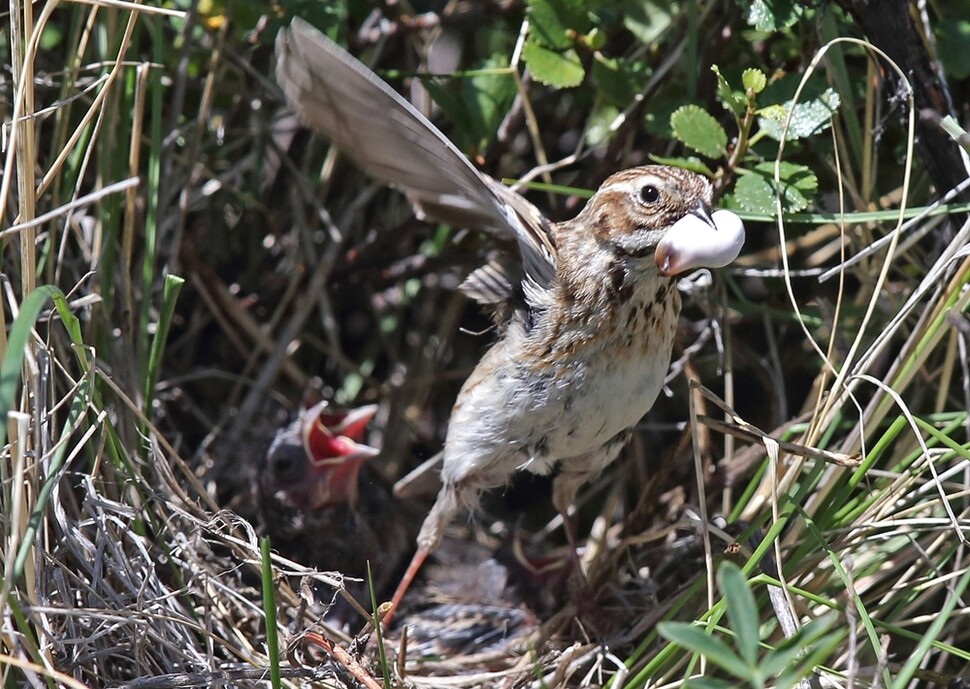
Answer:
[(569, 527), (432, 530), (402, 588)]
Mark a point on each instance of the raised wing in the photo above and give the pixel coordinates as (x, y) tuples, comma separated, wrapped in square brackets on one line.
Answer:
[(336, 95)]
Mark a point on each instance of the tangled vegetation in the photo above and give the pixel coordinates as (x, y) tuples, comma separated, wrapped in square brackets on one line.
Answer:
[(184, 267)]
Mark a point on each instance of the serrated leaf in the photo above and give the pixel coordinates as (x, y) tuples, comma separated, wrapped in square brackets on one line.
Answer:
[(773, 15), (697, 129), (735, 102), (691, 163), (808, 118), (559, 69), (755, 188), (798, 183), (753, 193), (551, 20), (754, 79), (773, 112)]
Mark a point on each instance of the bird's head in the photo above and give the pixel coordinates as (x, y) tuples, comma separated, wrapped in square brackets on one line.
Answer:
[(314, 462), (663, 213)]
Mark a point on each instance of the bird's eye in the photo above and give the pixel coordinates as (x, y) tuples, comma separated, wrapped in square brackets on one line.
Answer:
[(285, 463), (649, 194)]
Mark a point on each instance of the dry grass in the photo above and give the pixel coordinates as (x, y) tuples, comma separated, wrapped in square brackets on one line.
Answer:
[(143, 407)]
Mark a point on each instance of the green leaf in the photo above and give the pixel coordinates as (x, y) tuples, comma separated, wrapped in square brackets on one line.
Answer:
[(730, 99), (647, 20), (773, 15), (456, 110), (819, 641), (786, 654), (598, 125), (385, 669), (476, 104), (18, 342), (595, 39), (755, 188), (492, 93), (690, 163), (697, 129), (709, 683), (617, 79), (741, 609), (773, 112), (798, 182), (52, 37), (562, 70), (754, 79), (696, 640), (552, 20), (953, 38), (809, 117), (753, 193)]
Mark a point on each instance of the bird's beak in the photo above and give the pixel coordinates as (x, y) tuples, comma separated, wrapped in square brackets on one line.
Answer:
[(338, 422), (336, 482), (703, 212), (353, 424), (700, 239), (333, 438)]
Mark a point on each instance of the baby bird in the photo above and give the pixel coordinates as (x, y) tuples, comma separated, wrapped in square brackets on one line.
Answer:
[(591, 305), (314, 462), (320, 505)]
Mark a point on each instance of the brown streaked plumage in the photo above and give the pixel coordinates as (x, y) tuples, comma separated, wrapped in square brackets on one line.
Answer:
[(589, 305)]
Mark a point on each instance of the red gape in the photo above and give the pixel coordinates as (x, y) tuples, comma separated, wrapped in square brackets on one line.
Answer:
[(314, 462)]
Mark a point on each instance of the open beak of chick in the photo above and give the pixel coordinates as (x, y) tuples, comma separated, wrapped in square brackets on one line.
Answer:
[(314, 462)]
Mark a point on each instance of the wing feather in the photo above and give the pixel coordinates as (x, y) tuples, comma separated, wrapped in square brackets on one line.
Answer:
[(336, 95)]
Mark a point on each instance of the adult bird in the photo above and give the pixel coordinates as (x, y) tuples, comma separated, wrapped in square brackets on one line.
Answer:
[(589, 306)]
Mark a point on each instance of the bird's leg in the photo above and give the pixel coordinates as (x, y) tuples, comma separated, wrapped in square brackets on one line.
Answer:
[(412, 571), (569, 526), (564, 489), (573, 473), (442, 512)]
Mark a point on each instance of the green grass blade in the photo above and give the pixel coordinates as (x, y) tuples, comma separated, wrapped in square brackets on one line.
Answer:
[(13, 358), (173, 284), (382, 657), (269, 612)]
